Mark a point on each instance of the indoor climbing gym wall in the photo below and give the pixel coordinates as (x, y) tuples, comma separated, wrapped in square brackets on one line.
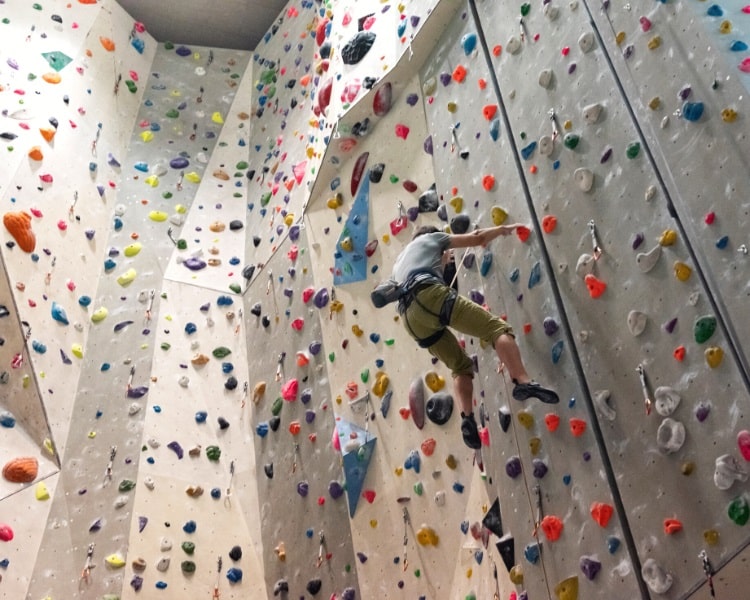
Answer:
[(197, 396)]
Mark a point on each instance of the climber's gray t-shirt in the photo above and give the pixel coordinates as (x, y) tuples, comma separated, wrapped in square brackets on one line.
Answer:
[(421, 254)]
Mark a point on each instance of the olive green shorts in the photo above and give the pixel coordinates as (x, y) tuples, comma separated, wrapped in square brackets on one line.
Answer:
[(467, 317)]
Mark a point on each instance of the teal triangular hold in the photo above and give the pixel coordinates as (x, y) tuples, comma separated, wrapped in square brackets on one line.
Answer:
[(350, 258), (57, 60), (357, 447)]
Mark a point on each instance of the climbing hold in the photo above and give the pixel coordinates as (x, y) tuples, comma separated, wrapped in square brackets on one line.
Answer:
[(584, 179), (601, 513), (637, 322), (692, 111), (567, 589), (739, 511), (613, 544), (525, 419), (592, 112), (549, 222), (596, 287), (21, 470), (498, 215), (657, 579), (728, 470), (114, 561), (586, 42), (672, 526), (704, 328), (546, 77), (743, 443), (532, 552), (552, 421), (647, 260), (577, 426), (18, 225), (601, 402), (670, 436), (516, 575), (666, 400), (417, 402), (513, 467), (714, 356), (552, 527), (571, 140), (590, 567), (426, 536), (682, 271)]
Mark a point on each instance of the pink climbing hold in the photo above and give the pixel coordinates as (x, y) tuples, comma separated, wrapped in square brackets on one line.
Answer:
[(324, 95), (744, 66), (6, 533), (289, 390), (335, 441), (307, 293), (402, 131), (645, 23), (351, 91), (743, 442), (484, 436), (369, 495), (298, 324), (299, 171)]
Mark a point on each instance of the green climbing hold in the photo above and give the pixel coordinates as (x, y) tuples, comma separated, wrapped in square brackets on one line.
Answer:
[(173, 113), (271, 92), (237, 195), (235, 287), (276, 406), (417, 573), (126, 485), (181, 244), (221, 352), (704, 328), (471, 596), (166, 195), (31, 77), (166, 345), (571, 140), (6, 21), (132, 88), (418, 488), (522, 135), (348, 568), (390, 342), (168, 45), (365, 375), (331, 356), (394, 179), (525, 9), (265, 199), (739, 511), (633, 150), (187, 566), (213, 453), (188, 547), (268, 76), (241, 165), (36, 6)]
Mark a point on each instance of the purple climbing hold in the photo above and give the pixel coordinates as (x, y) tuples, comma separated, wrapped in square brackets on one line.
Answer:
[(177, 449), (183, 51), (469, 259), (513, 467), (303, 488), (137, 392), (305, 395), (294, 233), (335, 489), (194, 263), (550, 326), (476, 296), (412, 99), (670, 325), (445, 78), (95, 526), (136, 583), (348, 594), (321, 298), (315, 347), (590, 567), (702, 411), (122, 325), (179, 162), (427, 145), (142, 522), (638, 239), (309, 416), (412, 213), (540, 468), (362, 557)]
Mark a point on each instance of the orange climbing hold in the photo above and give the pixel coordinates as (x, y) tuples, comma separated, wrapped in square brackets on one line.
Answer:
[(497, 50), (489, 111), (428, 446), (672, 526), (577, 426), (482, 83), (52, 78), (679, 353), (552, 527), (18, 225), (36, 153), (595, 286), (459, 74), (549, 222), (294, 427), (48, 133), (552, 421), (602, 513), (488, 182), (107, 43)]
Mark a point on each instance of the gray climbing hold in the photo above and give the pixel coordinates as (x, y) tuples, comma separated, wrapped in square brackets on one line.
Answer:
[(584, 179), (592, 112), (727, 470), (637, 322), (546, 145), (657, 579), (601, 402), (647, 260), (585, 265), (586, 42), (546, 77), (666, 400), (514, 45), (670, 436)]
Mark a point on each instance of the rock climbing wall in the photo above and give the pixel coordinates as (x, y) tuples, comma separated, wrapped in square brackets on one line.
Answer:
[(207, 403)]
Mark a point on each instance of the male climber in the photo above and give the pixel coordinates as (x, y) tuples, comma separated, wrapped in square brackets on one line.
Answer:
[(431, 305)]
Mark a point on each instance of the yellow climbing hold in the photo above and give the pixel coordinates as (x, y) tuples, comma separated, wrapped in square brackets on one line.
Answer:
[(217, 118), (452, 107), (682, 271), (567, 125), (398, 471), (347, 244), (357, 330), (49, 447), (711, 536), (714, 355), (729, 115), (516, 574), (535, 445), (77, 350), (373, 523), (457, 202), (381, 384), (193, 177), (147, 136), (426, 536), (526, 419), (91, 435), (725, 27), (498, 215), (620, 37), (336, 201), (567, 589), (158, 215), (336, 306), (127, 277), (152, 180), (180, 209), (41, 492), (115, 561), (99, 314), (668, 237), (654, 103), (469, 572), (654, 42), (132, 249), (289, 220), (434, 381)]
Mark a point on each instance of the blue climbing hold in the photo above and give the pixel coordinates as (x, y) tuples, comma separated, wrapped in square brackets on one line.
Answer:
[(528, 151), (201, 416), (224, 301), (215, 493), (514, 275), (495, 129), (413, 461), (84, 301), (58, 313), (613, 543), (190, 527), (161, 585), (262, 429), (227, 367), (536, 274), (486, 264), (557, 350), (722, 242), (532, 552), (715, 11), (234, 575), (567, 479), (38, 347), (458, 487), (692, 111), (7, 420), (191, 328), (141, 166), (469, 43), (738, 46)]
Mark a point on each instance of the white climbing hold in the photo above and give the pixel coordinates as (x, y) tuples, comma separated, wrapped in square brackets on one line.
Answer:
[(637, 322), (514, 45), (573, 4), (176, 219), (585, 265), (429, 86), (134, 409), (650, 193), (657, 579), (120, 501), (601, 401), (664, 122), (647, 260), (119, 210), (159, 169), (584, 179), (545, 78), (693, 298), (666, 400), (592, 112), (184, 381), (149, 483), (670, 436), (165, 544), (586, 42), (440, 497), (162, 564), (551, 12), (727, 471), (546, 145), (153, 443)]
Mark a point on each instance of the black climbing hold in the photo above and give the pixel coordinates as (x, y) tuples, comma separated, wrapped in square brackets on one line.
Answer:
[(248, 272), (428, 201), (235, 553), (506, 548), (274, 423), (504, 419), (231, 383), (265, 321), (236, 225), (442, 212), (313, 586), (325, 50), (251, 174), (255, 309), (439, 408), (492, 520), (54, 122), (7, 135), (280, 586), (256, 241), (348, 594), (268, 470), (357, 47), (460, 223), (376, 172), (369, 82), (223, 423)]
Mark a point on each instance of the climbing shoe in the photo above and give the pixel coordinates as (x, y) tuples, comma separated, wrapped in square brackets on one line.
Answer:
[(470, 432), (522, 391)]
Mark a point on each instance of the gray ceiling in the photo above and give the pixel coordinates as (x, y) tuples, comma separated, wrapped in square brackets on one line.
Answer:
[(238, 24)]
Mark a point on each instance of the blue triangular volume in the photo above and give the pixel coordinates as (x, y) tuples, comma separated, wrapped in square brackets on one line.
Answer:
[(357, 448), (351, 262), (355, 471)]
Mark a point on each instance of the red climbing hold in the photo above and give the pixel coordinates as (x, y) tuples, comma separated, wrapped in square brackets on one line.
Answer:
[(601, 513), (743, 443), (679, 353), (552, 421), (489, 111), (294, 427), (710, 218), (549, 222), (369, 495), (595, 286), (404, 412), (402, 131), (428, 446), (298, 324), (577, 426), (324, 95), (381, 102), (289, 390), (459, 74), (523, 232), (320, 32), (6, 533), (552, 527), (358, 171), (672, 526), (488, 182)]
